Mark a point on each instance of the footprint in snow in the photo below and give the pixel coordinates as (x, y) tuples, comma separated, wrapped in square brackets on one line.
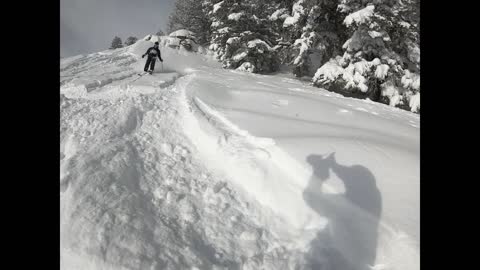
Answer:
[(280, 102), (296, 89)]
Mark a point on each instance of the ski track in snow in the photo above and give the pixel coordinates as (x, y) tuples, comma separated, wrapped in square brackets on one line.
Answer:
[(153, 176)]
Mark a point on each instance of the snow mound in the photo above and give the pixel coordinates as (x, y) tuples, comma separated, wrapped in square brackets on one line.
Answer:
[(183, 33), (153, 38)]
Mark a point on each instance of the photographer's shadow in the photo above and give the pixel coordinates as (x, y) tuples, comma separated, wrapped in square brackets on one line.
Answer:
[(350, 240)]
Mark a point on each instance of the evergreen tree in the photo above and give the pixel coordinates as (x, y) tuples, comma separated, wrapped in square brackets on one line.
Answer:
[(130, 40), (314, 33), (189, 15), (381, 58), (240, 38), (366, 47), (116, 43)]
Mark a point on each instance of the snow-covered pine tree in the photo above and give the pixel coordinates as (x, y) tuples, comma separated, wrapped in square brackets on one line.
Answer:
[(188, 14), (368, 48), (314, 33), (241, 36), (116, 43), (278, 11), (177, 18), (381, 57), (407, 44), (130, 40)]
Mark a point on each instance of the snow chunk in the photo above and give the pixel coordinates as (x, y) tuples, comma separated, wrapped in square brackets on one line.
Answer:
[(375, 34), (297, 8), (416, 83), (254, 43), (297, 11), (217, 6), (405, 24), (415, 102), (360, 81), (213, 47), (247, 66), (224, 30), (376, 62), (381, 71), (411, 80), (239, 56), (392, 92), (360, 17), (290, 21), (235, 16), (362, 66), (396, 99), (329, 72), (413, 52), (279, 14), (303, 44), (233, 40)]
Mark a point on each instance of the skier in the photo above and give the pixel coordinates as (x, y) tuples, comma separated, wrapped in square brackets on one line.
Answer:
[(153, 53)]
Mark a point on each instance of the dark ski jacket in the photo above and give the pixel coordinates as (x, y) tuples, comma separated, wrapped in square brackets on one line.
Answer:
[(153, 52)]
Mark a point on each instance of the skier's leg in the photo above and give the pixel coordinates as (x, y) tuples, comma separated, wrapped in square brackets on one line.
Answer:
[(152, 64), (149, 59)]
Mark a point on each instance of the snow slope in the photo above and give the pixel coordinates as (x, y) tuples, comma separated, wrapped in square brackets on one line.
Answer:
[(196, 167)]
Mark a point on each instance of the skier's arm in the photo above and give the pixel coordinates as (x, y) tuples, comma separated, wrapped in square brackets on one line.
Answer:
[(159, 55), (143, 55)]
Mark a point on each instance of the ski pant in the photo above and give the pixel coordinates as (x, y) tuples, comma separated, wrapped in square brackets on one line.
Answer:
[(150, 62)]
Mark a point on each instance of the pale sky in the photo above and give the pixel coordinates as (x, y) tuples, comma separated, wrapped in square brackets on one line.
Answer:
[(90, 25)]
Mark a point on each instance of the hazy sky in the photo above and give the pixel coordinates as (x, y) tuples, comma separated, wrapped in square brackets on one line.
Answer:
[(90, 25)]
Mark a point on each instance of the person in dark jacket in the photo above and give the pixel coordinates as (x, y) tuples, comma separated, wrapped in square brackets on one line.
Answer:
[(153, 53)]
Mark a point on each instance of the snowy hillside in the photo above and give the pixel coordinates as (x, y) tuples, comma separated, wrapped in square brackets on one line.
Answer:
[(198, 167)]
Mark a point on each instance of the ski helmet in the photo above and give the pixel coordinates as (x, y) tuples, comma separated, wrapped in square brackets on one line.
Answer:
[(156, 42)]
